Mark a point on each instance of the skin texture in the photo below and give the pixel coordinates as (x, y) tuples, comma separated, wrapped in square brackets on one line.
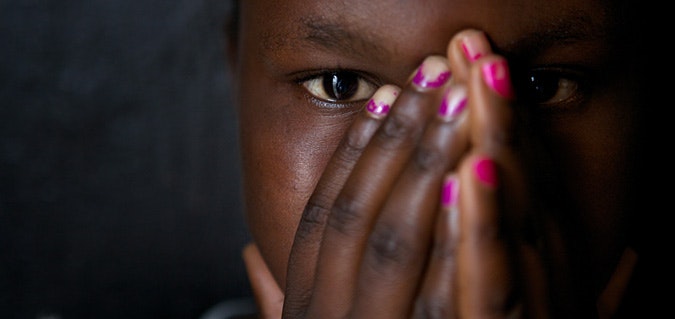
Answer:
[(354, 199)]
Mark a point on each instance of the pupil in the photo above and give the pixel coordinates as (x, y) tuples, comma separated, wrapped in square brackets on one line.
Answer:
[(543, 87), (341, 85)]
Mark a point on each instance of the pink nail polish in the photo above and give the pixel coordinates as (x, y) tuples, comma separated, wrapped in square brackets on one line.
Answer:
[(453, 104), (380, 104), (471, 50), (496, 76), (450, 191), (378, 108), (433, 73), (485, 171)]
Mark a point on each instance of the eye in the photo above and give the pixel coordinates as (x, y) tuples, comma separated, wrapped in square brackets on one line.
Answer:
[(554, 88), (339, 86)]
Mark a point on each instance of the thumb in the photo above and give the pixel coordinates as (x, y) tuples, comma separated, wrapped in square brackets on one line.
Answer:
[(266, 291)]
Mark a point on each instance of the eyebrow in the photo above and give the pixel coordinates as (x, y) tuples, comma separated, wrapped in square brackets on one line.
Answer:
[(567, 29), (324, 34), (334, 36), (321, 33)]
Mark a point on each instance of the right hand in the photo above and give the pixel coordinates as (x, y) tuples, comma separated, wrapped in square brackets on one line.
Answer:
[(375, 239)]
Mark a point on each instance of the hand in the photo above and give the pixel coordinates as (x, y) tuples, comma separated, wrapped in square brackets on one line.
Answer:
[(371, 236), (423, 210), (374, 208)]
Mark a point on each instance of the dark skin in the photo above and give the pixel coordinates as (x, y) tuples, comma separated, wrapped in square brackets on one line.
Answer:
[(347, 207)]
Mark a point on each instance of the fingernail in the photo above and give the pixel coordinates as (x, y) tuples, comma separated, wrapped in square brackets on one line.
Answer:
[(485, 171), (433, 73), (454, 102), (496, 75), (379, 105), (473, 46), (450, 191)]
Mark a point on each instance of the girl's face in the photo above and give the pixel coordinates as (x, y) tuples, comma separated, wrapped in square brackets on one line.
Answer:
[(289, 53)]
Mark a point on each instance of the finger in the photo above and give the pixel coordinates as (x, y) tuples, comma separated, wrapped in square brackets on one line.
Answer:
[(492, 132), (267, 293), (490, 92), (494, 205), (535, 237), (499, 275), (437, 295), (485, 273), (464, 48), (356, 207), (436, 298), (304, 252), (397, 249), (485, 276)]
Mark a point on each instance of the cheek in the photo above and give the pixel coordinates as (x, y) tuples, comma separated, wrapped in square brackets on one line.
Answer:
[(594, 150), (285, 146)]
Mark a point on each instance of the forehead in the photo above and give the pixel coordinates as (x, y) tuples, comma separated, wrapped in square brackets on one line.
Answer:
[(420, 25)]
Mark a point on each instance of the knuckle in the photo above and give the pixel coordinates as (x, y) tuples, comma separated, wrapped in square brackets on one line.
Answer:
[(500, 138), (345, 217), (389, 245), (497, 134), (444, 251), (312, 220), (432, 307), (398, 129), (428, 159), (353, 145)]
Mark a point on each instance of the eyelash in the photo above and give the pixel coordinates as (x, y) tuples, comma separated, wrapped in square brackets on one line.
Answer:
[(534, 88)]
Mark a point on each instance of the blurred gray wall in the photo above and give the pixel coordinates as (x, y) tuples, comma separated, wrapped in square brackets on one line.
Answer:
[(119, 185)]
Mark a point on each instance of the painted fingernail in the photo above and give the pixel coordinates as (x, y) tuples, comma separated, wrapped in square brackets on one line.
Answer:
[(450, 191), (485, 171), (433, 73), (497, 76), (474, 46), (379, 105), (453, 104)]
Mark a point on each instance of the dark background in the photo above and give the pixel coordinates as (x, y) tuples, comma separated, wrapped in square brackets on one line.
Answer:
[(119, 185)]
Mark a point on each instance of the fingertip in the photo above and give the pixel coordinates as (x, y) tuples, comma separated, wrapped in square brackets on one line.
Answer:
[(433, 73), (248, 249), (497, 76), (381, 102), (490, 96), (485, 171), (472, 43), (466, 47)]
